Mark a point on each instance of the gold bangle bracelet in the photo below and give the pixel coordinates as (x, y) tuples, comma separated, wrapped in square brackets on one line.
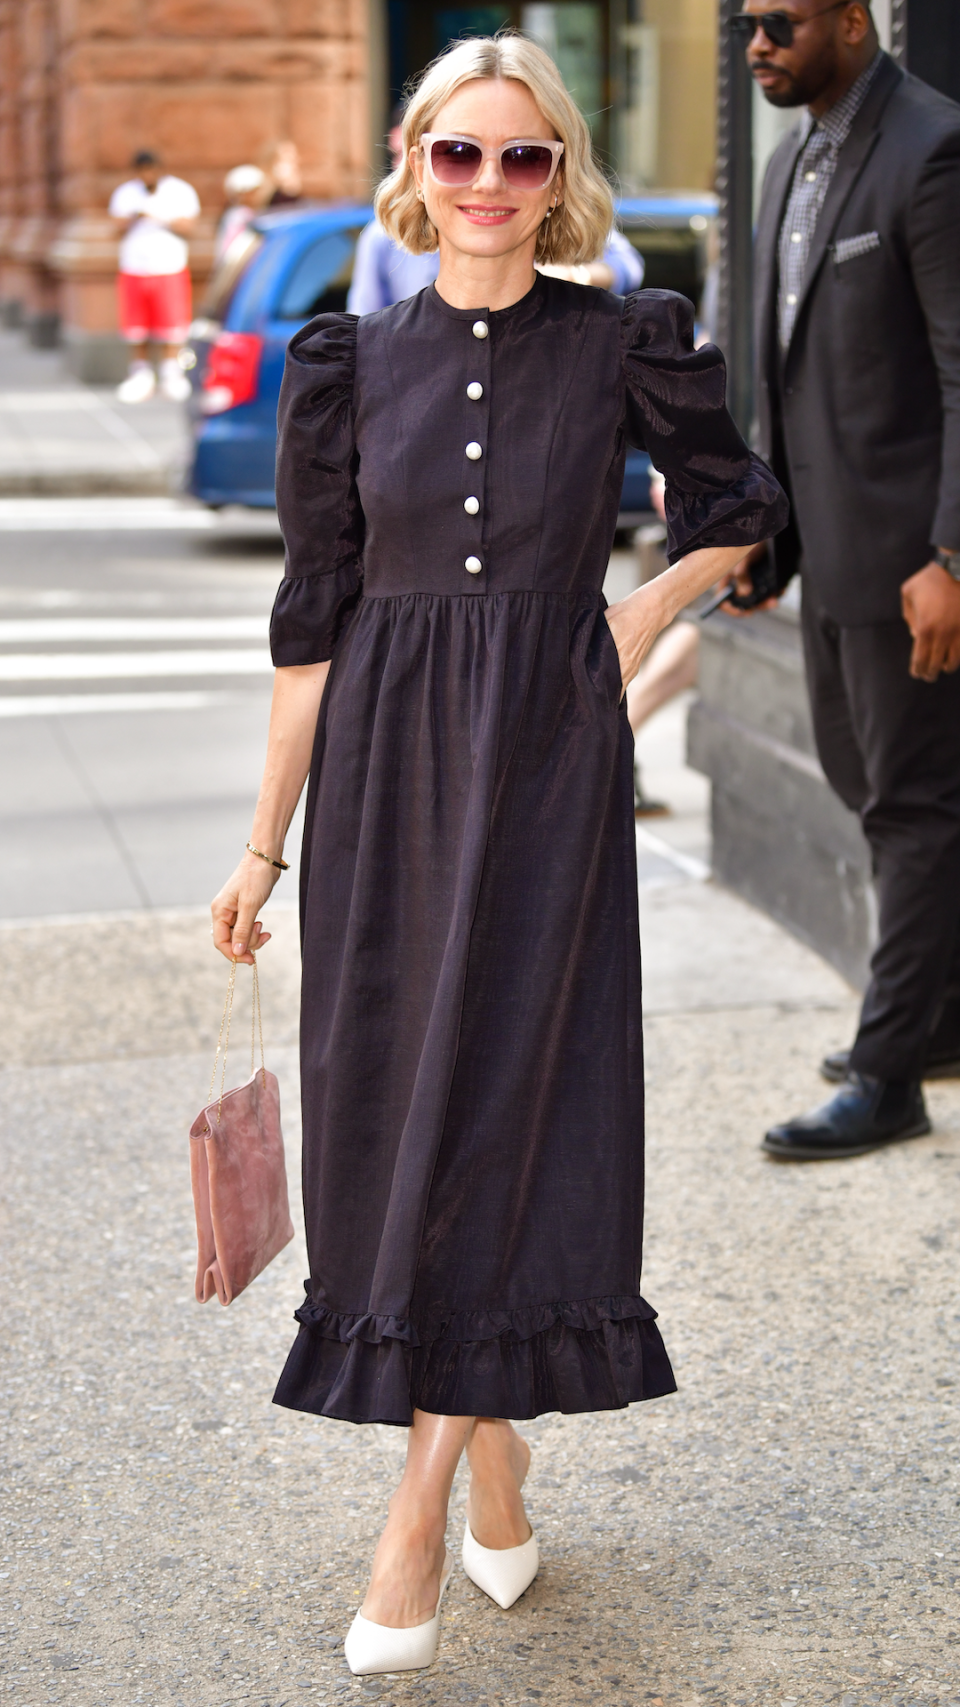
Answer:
[(280, 864)]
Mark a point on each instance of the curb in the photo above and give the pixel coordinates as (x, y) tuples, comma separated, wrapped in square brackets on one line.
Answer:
[(92, 483)]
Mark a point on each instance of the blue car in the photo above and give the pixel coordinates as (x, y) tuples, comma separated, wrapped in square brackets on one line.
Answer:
[(284, 268)]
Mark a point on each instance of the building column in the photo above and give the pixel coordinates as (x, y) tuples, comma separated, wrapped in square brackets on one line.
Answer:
[(28, 163)]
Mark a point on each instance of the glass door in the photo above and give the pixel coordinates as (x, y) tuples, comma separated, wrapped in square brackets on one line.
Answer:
[(574, 32)]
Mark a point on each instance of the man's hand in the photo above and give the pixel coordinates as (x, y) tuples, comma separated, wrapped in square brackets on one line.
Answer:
[(930, 601), (741, 582)]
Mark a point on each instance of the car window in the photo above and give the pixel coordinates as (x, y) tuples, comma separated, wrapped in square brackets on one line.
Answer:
[(319, 279), (228, 274)]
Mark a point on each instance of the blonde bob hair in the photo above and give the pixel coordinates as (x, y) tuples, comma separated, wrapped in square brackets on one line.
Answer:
[(577, 230)]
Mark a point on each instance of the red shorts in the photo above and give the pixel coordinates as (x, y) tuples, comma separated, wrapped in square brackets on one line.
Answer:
[(154, 305)]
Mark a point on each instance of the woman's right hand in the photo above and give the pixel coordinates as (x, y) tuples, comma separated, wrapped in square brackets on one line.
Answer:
[(237, 932)]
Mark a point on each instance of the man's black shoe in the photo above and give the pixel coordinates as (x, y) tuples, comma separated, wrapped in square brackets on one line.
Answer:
[(939, 1064), (863, 1115)]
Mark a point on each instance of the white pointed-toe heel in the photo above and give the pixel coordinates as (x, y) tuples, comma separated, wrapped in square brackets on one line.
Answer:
[(502, 1572), (372, 1648)]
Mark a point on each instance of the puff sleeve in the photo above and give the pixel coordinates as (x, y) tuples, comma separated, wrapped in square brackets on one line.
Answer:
[(317, 499), (717, 491)]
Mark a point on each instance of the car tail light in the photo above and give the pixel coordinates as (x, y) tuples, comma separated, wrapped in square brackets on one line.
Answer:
[(233, 368)]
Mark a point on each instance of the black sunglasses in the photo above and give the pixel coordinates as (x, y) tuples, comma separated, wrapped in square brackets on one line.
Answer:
[(776, 26)]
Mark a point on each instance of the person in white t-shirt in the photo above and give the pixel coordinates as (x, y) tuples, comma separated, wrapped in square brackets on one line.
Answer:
[(157, 213)]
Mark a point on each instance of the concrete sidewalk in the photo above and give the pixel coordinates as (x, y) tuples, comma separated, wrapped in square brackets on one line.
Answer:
[(58, 436), (781, 1531)]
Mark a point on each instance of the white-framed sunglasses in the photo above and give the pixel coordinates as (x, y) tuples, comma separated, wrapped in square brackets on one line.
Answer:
[(526, 163)]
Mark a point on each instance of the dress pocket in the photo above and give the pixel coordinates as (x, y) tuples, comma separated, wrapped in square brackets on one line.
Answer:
[(596, 659)]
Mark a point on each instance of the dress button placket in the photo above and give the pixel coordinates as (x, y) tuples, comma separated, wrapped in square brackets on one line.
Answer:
[(476, 416)]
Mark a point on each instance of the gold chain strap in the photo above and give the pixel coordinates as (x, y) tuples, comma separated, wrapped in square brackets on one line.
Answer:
[(223, 1040), (257, 1015)]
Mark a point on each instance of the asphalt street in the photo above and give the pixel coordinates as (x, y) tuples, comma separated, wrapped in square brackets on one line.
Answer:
[(134, 691)]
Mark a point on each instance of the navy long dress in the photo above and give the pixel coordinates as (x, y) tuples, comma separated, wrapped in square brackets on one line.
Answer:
[(448, 486)]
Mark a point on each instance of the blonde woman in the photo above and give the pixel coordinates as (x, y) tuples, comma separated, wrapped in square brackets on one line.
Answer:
[(448, 482)]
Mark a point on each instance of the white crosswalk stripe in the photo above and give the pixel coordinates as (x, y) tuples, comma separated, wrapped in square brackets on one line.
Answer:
[(72, 651), (100, 666), (52, 629), (68, 704), (99, 515)]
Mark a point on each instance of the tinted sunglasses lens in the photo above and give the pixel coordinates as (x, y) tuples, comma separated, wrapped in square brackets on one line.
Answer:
[(527, 167), (455, 162), (776, 26)]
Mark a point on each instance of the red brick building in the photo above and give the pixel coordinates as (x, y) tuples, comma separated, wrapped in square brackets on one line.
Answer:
[(206, 83)]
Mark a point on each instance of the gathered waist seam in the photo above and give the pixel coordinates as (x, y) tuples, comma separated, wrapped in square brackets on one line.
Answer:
[(481, 598)]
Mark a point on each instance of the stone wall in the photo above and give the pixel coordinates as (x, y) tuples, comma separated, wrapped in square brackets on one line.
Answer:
[(205, 83), (781, 837)]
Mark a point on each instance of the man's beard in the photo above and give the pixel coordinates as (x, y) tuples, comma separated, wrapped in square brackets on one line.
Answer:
[(791, 96)]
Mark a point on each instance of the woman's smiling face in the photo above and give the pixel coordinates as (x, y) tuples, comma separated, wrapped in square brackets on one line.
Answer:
[(488, 217)]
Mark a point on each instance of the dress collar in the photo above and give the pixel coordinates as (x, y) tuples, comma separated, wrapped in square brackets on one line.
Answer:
[(472, 314)]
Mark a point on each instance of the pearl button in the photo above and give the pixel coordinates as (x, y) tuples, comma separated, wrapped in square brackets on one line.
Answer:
[(473, 565), (471, 505), (811, 177), (474, 451), (480, 329), (475, 391), (791, 303), (796, 236)]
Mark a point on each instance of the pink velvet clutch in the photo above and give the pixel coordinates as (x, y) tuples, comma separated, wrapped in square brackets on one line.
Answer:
[(239, 1178)]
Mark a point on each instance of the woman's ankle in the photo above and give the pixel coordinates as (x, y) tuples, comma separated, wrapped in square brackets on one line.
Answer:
[(499, 1459), (497, 1453), (496, 1523), (406, 1571)]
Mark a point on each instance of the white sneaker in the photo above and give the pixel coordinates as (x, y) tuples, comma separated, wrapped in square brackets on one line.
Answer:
[(173, 381), (140, 383)]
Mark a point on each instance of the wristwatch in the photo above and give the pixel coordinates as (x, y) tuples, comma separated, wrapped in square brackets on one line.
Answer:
[(949, 560)]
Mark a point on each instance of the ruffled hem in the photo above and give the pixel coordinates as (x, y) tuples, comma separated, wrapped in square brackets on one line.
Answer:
[(593, 1354), (469, 1325)]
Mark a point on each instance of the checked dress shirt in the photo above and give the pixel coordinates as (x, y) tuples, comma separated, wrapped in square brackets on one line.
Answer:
[(816, 163)]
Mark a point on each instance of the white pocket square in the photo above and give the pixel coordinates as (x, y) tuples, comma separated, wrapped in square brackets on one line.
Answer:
[(848, 248)]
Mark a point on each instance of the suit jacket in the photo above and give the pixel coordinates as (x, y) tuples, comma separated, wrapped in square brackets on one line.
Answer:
[(860, 416)]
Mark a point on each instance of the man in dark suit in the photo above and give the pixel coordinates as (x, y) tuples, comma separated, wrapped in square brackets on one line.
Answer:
[(858, 344)]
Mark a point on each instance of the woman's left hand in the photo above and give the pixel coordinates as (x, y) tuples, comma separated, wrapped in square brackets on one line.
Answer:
[(635, 623)]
